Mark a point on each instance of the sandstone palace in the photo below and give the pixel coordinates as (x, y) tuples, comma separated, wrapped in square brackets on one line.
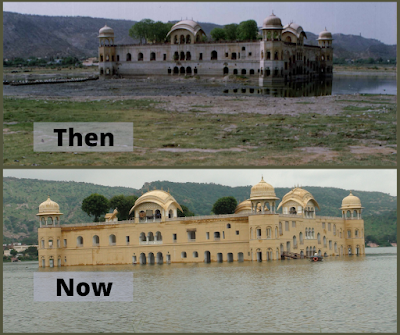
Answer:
[(155, 234), (279, 55)]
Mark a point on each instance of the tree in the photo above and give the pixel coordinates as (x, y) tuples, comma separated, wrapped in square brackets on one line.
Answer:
[(231, 31), (13, 252), (225, 205), (123, 204), (95, 204), (247, 30), (140, 29), (218, 34), (31, 251), (186, 212)]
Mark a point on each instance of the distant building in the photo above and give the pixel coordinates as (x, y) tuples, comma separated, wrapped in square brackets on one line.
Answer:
[(155, 233), (280, 55)]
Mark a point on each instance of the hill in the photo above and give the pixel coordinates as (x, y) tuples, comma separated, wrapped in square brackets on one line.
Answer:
[(21, 198), (40, 36)]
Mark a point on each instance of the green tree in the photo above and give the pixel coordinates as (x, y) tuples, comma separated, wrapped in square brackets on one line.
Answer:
[(95, 204), (247, 30), (13, 252), (231, 31), (141, 29), (31, 251), (158, 31), (186, 212), (218, 34), (123, 204), (224, 205)]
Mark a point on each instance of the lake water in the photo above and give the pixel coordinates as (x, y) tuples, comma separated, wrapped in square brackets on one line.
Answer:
[(340, 84), (348, 294)]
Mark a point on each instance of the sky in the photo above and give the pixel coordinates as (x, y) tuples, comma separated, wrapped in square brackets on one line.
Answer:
[(370, 19), (350, 179)]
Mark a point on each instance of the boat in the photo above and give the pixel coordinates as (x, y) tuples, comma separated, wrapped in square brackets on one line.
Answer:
[(316, 258)]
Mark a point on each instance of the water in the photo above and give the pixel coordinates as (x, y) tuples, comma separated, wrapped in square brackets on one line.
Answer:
[(341, 84), (349, 294)]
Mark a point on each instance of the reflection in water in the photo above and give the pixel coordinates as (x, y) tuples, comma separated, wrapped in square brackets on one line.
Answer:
[(340, 294), (289, 89), (339, 85)]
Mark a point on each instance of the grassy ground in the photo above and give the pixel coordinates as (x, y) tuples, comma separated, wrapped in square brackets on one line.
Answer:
[(366, 124)]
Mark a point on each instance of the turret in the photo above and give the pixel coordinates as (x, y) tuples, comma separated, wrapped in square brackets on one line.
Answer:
[(354, 225), (325, 43), (107, 57)]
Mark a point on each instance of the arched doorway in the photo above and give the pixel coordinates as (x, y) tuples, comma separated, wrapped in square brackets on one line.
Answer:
[(230, 257), (159, 258), (226, 70), (240, 257), (151, 258), (207, 257), (182, 70), (188, 70), (142, 259)]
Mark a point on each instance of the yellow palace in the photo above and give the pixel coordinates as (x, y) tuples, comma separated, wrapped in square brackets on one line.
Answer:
[(261, 229)]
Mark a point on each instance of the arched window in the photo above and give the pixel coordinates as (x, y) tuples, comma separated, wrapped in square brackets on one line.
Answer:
[(112, 239), (276, 56), (182, 56), (157, 214), (175, 39), (269, 232), (142, 237), (324, 239), (319, 238), (228, 226), (301, 238), (150, 236), (294, 242), (354, 214), (96, 241), (183, 254), (128, 57), (188, 70), (268, 72), (107, 58), (140, 57), (289, 39), (292, 210), (79, 241), (182, 70), (233, 56), (176, 70), (182, 39), (280, 228), (188, 39), (226, 70), (334, 230), (188, 55), (158, 236), (243, 71), (276, 232), (214, 55), (195, 254), (252, 71), (235, 71), (153, 56)]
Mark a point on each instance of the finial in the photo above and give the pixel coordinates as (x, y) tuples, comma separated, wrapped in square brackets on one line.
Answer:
[(142, 192), (161, 188), (262, 177), (168, 189), (154, 188), (351, 193)]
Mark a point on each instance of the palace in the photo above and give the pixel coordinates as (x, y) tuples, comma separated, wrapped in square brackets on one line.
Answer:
[(155, 233), (279, 55)]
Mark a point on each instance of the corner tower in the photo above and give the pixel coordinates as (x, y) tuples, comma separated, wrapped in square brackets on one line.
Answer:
[(107, 58), (49, 234), (325, 43), (271, 54), (354, 225)]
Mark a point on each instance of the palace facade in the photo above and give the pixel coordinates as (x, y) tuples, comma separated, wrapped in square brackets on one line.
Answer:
[(155, 233), (279, 55)]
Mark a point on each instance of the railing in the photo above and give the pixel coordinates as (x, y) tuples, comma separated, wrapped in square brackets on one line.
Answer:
[(217, 239), (191, 240)]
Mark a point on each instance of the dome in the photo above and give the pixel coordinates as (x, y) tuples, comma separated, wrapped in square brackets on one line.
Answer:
[(106, 31), (272, 22), (49, 207), (295, 29), (351, 201), (325, 35), (262, 190), (189, 25), (299, 195), (244, 206), (159, 197)]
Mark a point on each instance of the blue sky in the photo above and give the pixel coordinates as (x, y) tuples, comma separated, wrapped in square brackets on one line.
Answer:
[(372, 19)]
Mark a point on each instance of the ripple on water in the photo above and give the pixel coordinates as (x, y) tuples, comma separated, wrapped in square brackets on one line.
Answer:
[(352, 294)]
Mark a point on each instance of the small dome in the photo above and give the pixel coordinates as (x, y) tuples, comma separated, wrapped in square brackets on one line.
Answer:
[(299, 195), (272, 22), (351, 201), (106, 31), (49, 207), (244, 206), (262, 190), (325, 35), (188, 25), (159, 197)]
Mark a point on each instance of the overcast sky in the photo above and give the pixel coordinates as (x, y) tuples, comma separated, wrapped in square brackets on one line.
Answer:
[(362, 180), (372, 19)]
